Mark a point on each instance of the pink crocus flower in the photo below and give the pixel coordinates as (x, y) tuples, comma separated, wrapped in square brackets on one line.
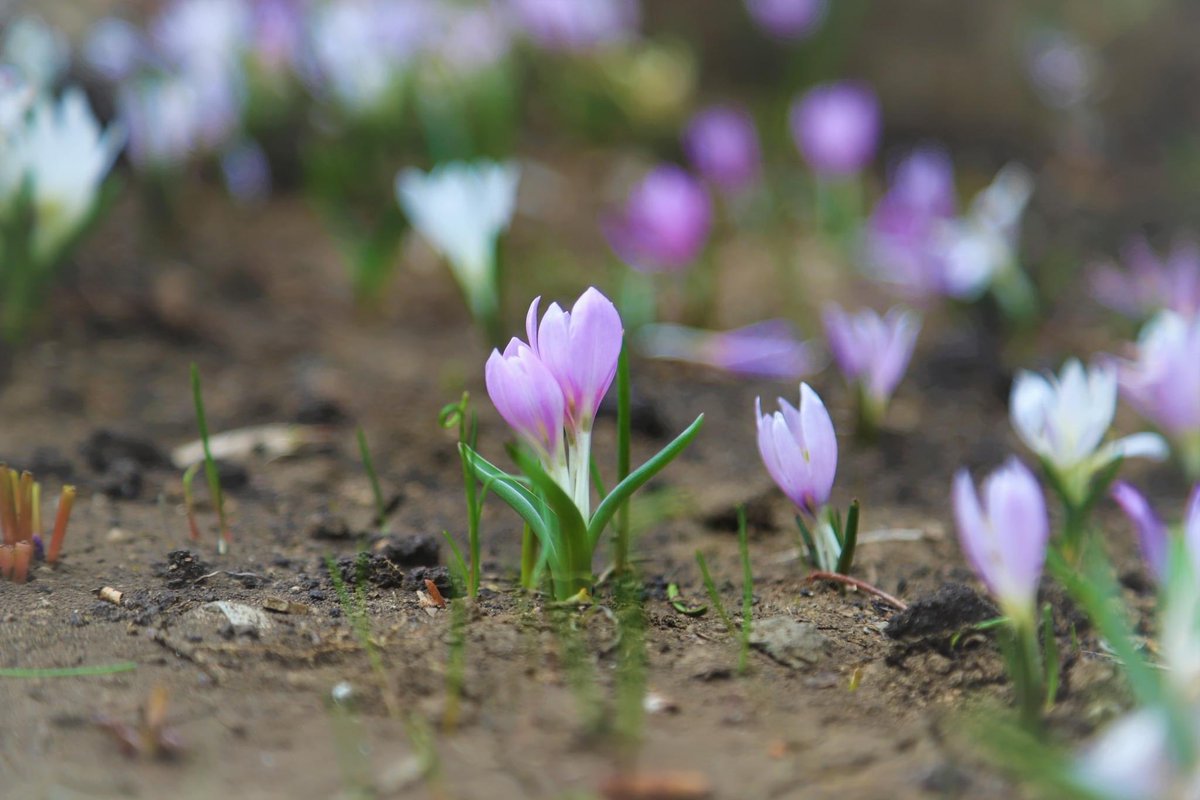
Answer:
[(1005, 536)]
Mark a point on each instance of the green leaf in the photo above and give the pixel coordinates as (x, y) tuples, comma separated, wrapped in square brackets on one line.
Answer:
[(509, 489), (638, 478), (809, 543), (682, 607), (1049, 656), (849, 539), (571, 528)]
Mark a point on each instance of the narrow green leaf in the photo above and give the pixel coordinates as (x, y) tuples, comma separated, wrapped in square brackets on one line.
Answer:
[(509, 489), (638, 478), (711, 587), (67, 672), (624, 436), (849, 540), (1049, 656)]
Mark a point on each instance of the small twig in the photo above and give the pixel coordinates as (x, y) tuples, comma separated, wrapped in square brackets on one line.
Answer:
[(187, 651), (862, 586)]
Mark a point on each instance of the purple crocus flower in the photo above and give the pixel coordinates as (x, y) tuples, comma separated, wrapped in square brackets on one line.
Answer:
[(527, 395), (580, 347), (1149, 283), (1162, 382), (788, 19), (1005, 537), (770, 349), (871, 351), (114, 48), (722, 144), (277, 34), (247, 172), (576, 25), (836, 127), (799, 449), (665, 223), (1152, 535), (902, 235)]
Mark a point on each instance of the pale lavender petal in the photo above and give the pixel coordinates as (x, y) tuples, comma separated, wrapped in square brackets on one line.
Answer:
[(974, 535), (1017, 511), (596, 338), (1191, 526), (1152, 537), (527, 396)]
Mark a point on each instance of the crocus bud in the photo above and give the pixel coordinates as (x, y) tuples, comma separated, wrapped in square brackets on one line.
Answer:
[(1163, 382), (1064, 420), (799, 449), (788, 19), (1151, 531), (1005, 538), (836, 127), (580, 347), (665, 223), (528, 396), (872, 351), (722, 144)]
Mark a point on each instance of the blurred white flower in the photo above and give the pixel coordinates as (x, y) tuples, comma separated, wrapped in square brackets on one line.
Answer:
[(63, 155), (40, 52), (1064, 420), (461, 209), (1132, 760)]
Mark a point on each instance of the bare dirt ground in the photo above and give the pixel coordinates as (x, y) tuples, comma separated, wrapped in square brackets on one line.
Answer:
[(257, 302)]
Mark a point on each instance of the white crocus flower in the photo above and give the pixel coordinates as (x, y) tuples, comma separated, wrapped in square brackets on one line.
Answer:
[(1064, 420), (1133, 760), (461, 209), (63, 155), (41, 53)]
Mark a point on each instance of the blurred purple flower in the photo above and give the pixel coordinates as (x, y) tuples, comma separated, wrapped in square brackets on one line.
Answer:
[(1061, 67), (900, 234), (161, 117), (475, 39), (361, 50), (580, 347), (788, 19), (1005, 538), (277, 36), (202, 36), (871, 351), (799, 449), (1162, 382), (836, 127), (722, 144), (1149, 283), (114, 48), (576, 25), (768, 349), (247, 172), (665, 223), (1152, 534)]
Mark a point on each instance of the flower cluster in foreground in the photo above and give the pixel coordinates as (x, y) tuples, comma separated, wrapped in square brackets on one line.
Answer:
[(549, 388)]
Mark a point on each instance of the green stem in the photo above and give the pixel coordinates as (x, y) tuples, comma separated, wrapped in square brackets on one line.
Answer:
[(529, 557), (621, 547)]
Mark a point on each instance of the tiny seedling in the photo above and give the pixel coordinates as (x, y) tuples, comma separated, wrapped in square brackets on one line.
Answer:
[(376, 491), (458, 415), (679, 605), (210, 465)]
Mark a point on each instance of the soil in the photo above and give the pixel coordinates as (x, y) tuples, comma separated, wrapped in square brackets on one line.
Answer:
[(257, 301)]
